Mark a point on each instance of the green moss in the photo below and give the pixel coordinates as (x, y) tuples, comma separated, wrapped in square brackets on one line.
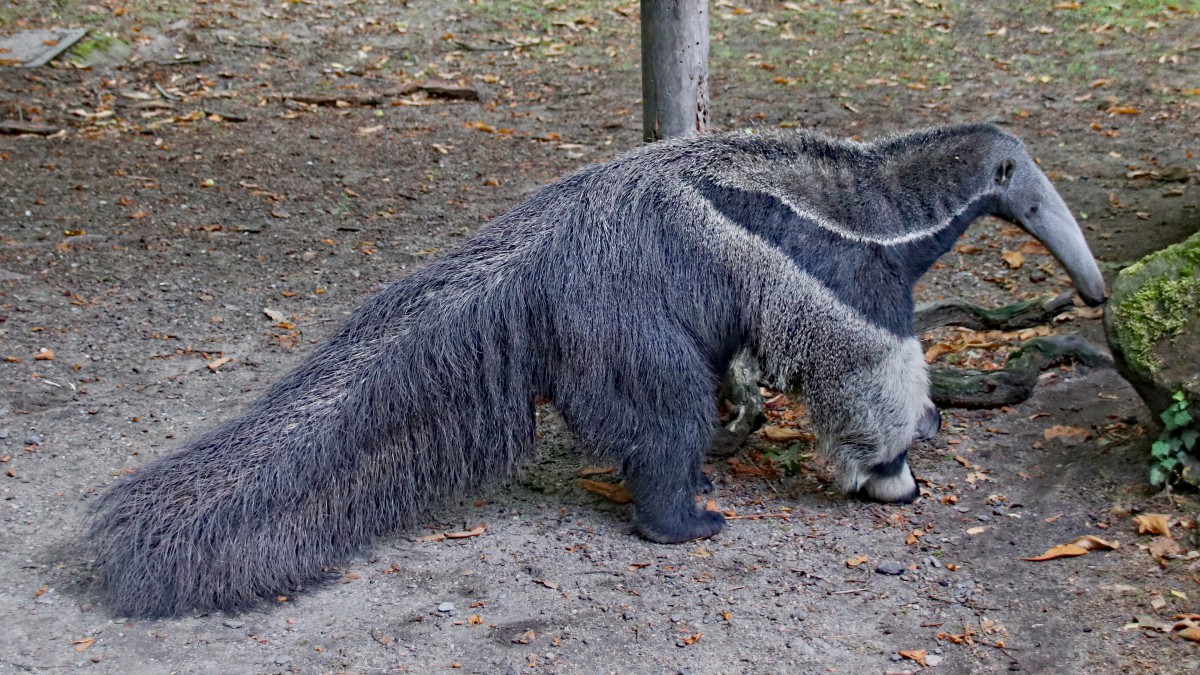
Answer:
[(85, 48), (1163, 294)]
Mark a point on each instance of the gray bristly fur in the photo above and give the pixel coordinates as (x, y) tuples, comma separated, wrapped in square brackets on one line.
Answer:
[(620, 292)]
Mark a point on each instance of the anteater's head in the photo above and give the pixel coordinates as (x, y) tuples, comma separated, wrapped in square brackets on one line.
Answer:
[(1027, 198)]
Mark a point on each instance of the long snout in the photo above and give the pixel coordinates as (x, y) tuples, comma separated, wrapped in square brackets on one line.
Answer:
[(1049, 220)]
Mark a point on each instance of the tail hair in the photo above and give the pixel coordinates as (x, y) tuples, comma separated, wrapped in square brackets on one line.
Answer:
[(408, 403)]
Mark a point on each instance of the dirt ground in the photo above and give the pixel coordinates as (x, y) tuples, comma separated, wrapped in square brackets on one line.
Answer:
[(196, 226)]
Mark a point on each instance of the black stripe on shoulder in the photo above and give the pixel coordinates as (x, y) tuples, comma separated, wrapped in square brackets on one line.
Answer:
[(867, 277)]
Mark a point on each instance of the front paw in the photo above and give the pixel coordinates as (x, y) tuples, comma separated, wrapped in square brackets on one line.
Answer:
[(898, 488)]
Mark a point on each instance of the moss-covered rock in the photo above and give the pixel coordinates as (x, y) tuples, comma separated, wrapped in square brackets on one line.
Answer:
[(100, 50), (1153, 324)]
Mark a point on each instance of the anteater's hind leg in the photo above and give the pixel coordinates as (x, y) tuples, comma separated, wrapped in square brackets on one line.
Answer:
[(651, 409)]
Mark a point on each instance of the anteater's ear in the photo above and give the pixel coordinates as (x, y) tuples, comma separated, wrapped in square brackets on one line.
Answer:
[(1004, 172)]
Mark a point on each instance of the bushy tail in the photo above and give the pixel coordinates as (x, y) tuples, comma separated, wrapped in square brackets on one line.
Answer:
[(407, 404)]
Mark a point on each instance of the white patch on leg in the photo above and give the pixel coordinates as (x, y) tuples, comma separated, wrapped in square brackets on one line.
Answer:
[(899, 488)]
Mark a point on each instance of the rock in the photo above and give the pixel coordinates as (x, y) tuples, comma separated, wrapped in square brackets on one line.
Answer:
[(282, 659), (1152, 321), (446, 607), (933, 660), (890, 567), (33, 440), (233, 623)]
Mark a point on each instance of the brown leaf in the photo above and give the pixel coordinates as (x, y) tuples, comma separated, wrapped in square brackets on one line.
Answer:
[(914, 537), (1153, 523), (1093, 543), (1079, 547), (1068, 436), (1161, 548), (1124, 110), (691, 639), (782, 435), (1013, 258), (595, 471), (526, 637), (1061, 551), (1192, 634), (81, 645), (613, 492), (214, 365), (856, 560), (937, 350), (548, 584), (44, 354), (474, 620), (917, 655), (473, 532)]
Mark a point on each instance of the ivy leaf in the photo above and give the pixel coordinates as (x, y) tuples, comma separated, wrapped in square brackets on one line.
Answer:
[(1161, 449), (1158, 477), (1169, 463), (1189, 437), (1182, 419)]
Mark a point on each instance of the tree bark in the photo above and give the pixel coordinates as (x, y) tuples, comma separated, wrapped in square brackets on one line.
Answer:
[(674, 68)]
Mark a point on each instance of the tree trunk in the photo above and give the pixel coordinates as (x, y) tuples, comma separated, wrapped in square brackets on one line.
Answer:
[(674, 68)]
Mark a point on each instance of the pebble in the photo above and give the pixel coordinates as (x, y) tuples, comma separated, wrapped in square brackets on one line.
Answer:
[(446, 607), (984, 518), (282, 659), (3, 434), (34, 440), (234, 623), (896, 658), (934, 561), (890, 567), (933, 660)]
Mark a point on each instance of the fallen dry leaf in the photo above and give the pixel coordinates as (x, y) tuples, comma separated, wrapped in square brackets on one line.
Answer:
[(914, 536), (917, 655), (976, 530), (1014, 259), (856, 560), (81, 645), (474, 620), (1080, 546), (595, 471), (1162, 548), (1192, 634), (783, 435), (1061, 551), (44, 354), (525, 638), (613, 492), (691, 639), (1153, 523), (1068, 436), (473, 532), (1094, 543), (214, 365)]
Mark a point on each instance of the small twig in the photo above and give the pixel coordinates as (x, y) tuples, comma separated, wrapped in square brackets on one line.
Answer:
[(487, 48), (852, 590), (169, 97)]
